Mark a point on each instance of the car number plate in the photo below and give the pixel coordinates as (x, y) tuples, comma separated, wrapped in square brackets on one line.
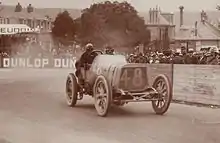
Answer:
[(133, 78)]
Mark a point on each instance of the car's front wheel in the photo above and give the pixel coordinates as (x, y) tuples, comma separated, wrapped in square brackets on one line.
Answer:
[(102, 93)]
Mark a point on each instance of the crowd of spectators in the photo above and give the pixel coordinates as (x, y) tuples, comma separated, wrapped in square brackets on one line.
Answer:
[(36, 49), (211, 57), (33, 49)]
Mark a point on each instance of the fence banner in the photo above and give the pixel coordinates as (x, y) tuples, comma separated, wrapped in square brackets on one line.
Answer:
[(197, 83), (20, 62)]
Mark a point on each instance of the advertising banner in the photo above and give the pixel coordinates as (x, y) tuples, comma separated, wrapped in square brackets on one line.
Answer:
[(21, 62), (8, 29)]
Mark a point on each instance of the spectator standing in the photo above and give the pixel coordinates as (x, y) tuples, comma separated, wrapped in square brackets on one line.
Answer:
[(177, 58), (213, 59), (190, 58)]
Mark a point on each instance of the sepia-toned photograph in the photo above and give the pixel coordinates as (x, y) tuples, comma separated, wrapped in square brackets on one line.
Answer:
[(109, 71)]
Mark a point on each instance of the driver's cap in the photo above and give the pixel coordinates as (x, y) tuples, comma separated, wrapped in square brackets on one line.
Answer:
[(89, 45)]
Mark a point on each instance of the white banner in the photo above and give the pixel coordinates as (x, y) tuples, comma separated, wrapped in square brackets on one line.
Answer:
[(8, 29), (38, 62)]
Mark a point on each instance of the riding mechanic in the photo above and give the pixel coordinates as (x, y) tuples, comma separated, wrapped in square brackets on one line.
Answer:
[(109, 50)]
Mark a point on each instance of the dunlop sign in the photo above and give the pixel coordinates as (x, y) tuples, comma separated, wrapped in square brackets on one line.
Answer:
[(38, 63)]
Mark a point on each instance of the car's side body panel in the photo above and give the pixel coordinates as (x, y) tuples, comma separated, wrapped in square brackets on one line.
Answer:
[(106, 65), (119, 73)]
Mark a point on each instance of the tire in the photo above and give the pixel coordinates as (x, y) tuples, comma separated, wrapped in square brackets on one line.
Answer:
[(102, 85), (71, 90), (167, 90)]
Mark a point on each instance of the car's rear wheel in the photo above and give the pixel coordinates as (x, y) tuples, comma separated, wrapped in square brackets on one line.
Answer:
[(163, 87), (71, 90), (102, 93)]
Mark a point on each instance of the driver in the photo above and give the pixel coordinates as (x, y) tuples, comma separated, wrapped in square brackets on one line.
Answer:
[(84, 60)]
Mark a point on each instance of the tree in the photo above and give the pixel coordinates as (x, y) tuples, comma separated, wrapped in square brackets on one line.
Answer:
[(113, 23), (63, 26), (18, 8)]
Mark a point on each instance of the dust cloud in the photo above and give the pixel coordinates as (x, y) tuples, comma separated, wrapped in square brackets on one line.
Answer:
[(40, 50)]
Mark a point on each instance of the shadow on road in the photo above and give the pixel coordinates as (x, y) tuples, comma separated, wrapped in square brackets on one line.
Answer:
[(4, 141), (116, 111)]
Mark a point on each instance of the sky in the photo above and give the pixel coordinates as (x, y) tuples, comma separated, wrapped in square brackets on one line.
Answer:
[(140, 5)]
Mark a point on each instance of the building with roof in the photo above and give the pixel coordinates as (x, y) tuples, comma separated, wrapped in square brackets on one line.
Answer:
[(14, 19), (157, 22), (8, 15), (202, 34), (36, 17), (161, 26)]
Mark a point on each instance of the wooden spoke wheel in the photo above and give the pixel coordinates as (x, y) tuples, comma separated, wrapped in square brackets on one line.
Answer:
[(102, 93), (163, 87), (71, 90)]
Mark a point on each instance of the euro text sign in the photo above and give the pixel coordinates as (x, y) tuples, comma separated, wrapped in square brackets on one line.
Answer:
[(13, 30)]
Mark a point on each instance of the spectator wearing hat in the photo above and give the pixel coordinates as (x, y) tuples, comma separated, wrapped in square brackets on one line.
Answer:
[(190, 58), (177, 58), (213, 58), (183, 50), (109, 50), (166, 58)]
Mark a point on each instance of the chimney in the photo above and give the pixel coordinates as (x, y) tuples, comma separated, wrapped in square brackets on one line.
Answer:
[(30, 8), (181, 15), (18, 8), (171, 18), (153, 16), (150, 14), (196, 28), (156, 15), (204, 16)]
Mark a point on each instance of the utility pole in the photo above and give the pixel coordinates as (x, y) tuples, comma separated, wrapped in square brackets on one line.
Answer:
[(218, 7), (1, 8)]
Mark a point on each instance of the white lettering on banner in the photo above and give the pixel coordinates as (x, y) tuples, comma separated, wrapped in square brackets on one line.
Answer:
[(65, 63), (14, 62), (57, 63), (29, 65), (16, 30), (22, 62), (38, 63), (45, 62), (6, 62), (72, 63), (5, 30)]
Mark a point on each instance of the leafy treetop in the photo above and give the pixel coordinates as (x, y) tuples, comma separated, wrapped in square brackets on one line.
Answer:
[(63, 25), (113, 23)]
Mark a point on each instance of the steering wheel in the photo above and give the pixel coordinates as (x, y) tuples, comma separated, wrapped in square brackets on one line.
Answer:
[(93, 54), (98, 52)]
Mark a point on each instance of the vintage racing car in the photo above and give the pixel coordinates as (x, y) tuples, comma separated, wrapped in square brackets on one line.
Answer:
[(110, 79)]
